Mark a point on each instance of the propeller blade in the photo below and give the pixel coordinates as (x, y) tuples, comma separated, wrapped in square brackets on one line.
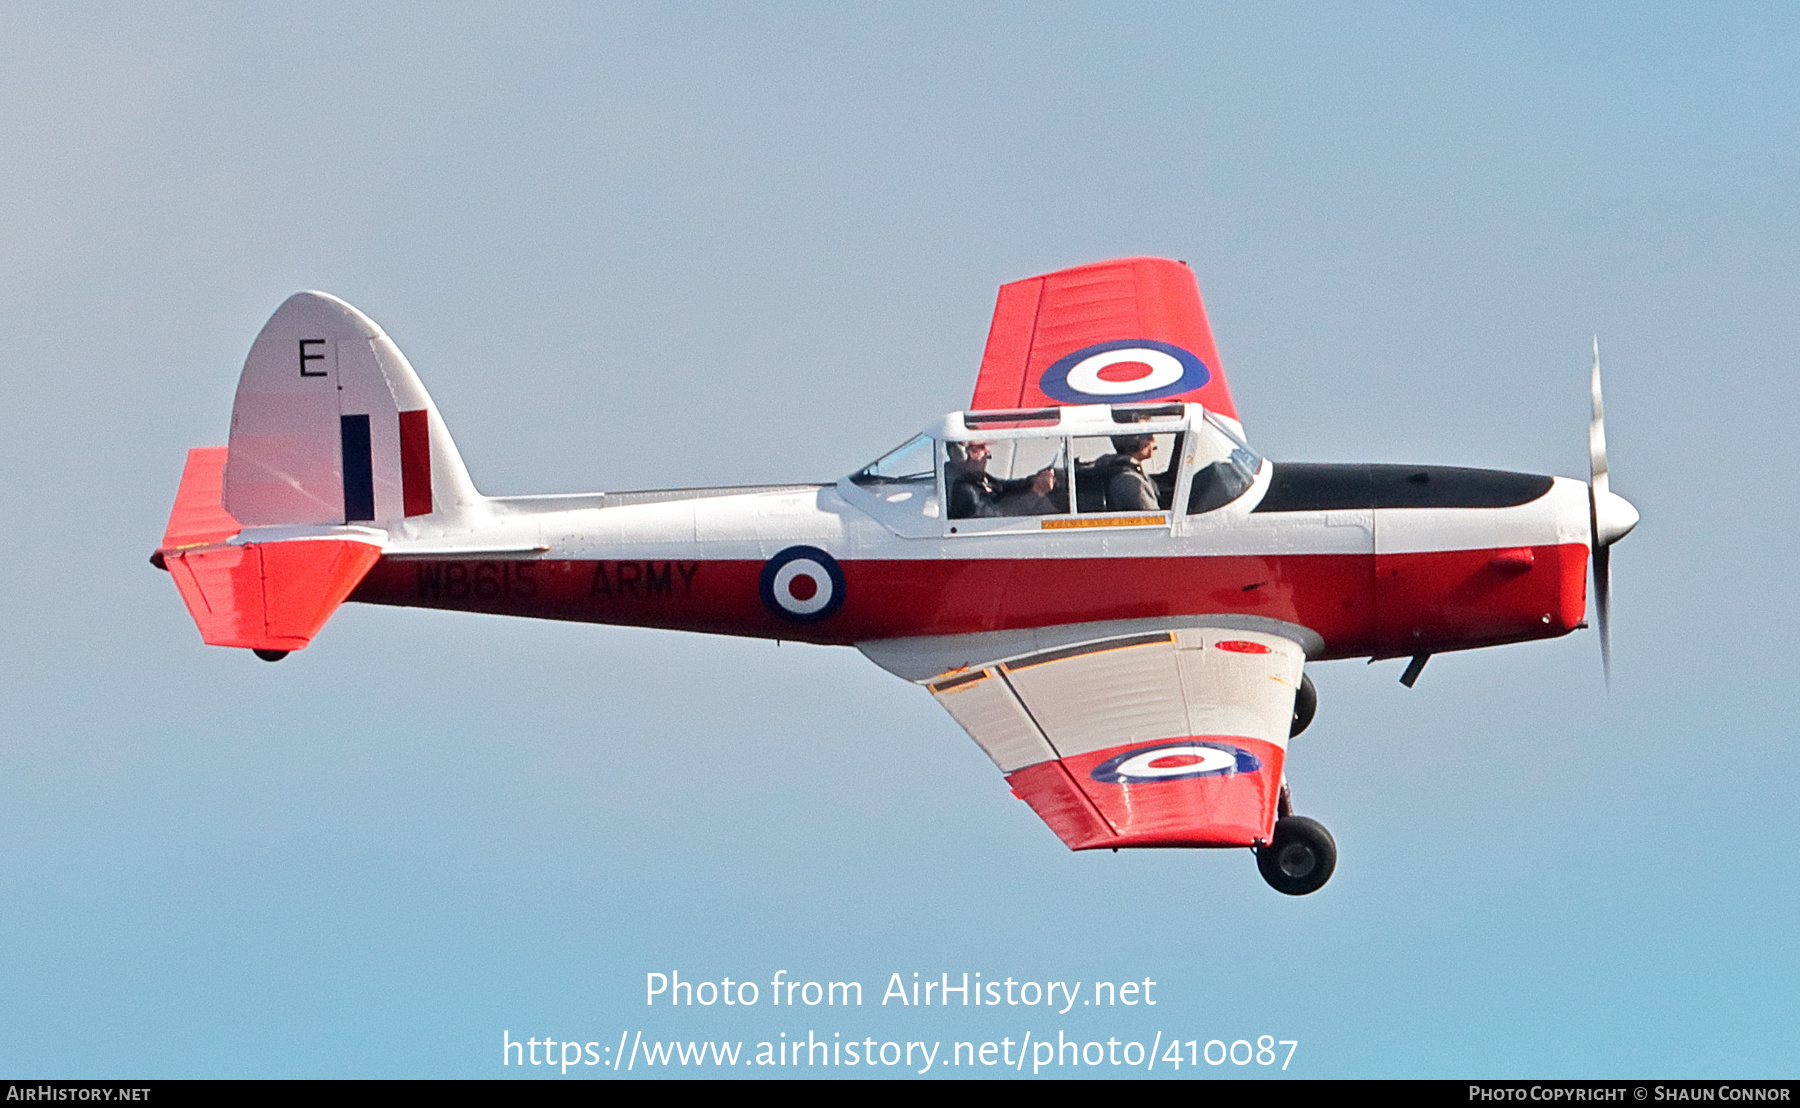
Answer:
[(1610, 518), (1603, 602), (1597, 485), (1597, 482)]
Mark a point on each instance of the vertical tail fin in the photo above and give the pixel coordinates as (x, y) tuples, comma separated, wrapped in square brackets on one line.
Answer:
[(332, 426)]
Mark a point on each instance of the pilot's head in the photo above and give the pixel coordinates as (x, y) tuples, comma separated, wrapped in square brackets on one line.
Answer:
[(1137, 447), (976, 455)]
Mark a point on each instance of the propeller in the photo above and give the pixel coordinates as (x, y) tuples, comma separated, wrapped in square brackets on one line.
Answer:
[(1610, 517)]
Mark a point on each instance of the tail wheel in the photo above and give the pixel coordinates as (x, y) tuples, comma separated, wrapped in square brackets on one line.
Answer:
[(1300, 858), (1306, 702), (270, 655)]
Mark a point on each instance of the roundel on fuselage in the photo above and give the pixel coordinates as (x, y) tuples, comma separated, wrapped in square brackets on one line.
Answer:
[(802, 584), (1123, 371)]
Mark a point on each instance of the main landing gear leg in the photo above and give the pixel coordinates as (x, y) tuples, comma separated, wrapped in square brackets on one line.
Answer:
[(1301, 856)]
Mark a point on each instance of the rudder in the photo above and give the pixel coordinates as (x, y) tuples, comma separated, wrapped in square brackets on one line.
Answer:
[(332, 426)]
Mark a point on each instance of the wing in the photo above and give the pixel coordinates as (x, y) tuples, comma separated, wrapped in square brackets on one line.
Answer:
[(1163, 738), (1113, 332)]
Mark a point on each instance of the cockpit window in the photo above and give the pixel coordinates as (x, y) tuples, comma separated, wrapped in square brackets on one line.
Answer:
[(904, 486), (1218, 480), (910, 466), (1126, 473), (1007, 477)]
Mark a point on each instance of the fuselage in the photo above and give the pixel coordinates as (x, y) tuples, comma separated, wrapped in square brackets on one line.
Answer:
[(1368, 560)]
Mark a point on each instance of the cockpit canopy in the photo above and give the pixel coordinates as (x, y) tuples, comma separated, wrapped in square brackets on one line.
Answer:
[(1038, 467)]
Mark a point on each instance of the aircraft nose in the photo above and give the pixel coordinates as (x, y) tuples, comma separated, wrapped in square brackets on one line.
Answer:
[(1614, 517)]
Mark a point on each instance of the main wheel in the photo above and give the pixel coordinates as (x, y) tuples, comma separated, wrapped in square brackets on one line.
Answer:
[(270, 655), (1301, 857), (1306, 702)]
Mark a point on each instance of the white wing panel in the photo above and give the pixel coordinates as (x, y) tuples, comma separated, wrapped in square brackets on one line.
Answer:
[(1231, 689), (994, 718), (1103, 694), (1117, 691)]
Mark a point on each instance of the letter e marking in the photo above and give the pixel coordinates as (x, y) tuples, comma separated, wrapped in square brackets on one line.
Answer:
[(305, 357)]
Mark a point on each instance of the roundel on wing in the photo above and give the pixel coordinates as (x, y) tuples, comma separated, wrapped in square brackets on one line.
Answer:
[(1175, 761), (1242, 646), (802, 584), (1122, 371)]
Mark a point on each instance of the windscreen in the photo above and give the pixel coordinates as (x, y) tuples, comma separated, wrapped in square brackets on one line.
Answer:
[(908, 466), (1224, 467)]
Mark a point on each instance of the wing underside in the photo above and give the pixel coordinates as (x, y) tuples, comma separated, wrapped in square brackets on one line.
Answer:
[(1163, 738)]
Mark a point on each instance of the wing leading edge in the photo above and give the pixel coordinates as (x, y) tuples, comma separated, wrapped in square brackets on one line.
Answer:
[(1162, 738), (1123, 331)]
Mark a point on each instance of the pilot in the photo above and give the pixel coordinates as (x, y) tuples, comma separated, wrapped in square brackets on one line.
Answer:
[(975, 493), (1128, 488)]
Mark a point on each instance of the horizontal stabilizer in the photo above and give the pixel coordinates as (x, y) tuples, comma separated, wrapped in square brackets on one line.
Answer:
[(199, 517), (270, 595), (266, 595)]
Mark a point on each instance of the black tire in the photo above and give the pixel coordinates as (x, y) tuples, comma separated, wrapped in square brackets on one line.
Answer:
[(1301, 857), (1306, 702), (270, 655)]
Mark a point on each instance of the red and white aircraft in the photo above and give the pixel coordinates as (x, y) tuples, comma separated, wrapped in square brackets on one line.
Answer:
[(1090, 569)]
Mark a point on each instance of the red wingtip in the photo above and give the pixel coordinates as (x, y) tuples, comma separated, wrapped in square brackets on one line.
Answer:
[(1042, 322)]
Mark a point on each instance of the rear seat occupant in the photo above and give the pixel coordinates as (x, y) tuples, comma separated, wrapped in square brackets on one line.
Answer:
[(1128, 489)]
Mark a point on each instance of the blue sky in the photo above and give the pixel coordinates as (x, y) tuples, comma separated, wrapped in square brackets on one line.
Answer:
[(668, 245)]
